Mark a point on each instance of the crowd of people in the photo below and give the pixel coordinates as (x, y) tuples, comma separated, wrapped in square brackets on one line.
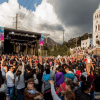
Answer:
[(29, 77)]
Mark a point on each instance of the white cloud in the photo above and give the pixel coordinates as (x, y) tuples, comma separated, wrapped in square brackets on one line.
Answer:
[(32, 20)]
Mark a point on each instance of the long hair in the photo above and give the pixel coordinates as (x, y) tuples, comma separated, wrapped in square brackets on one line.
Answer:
[(70, 95), (18, 74)]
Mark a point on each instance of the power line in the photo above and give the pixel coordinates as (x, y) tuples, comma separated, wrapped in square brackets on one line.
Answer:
[(5, 15), (29, 14), (28, 8), (24, 5)]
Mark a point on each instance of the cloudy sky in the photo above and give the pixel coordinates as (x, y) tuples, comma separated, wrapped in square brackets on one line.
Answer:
[(50, 16)]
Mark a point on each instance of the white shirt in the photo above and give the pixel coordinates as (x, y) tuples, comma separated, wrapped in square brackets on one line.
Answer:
[(3, 71), (10, 77), (35, 79), (3, 88), (21, 83), (85, 74)]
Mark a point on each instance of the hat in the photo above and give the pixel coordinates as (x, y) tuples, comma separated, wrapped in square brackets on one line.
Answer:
[(69, 75)]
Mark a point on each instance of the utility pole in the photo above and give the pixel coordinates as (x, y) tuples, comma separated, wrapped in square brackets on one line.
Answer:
[(46, 42), (16, 22), (63, 36)]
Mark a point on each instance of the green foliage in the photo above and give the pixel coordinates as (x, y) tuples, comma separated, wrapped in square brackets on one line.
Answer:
[(64, 49)]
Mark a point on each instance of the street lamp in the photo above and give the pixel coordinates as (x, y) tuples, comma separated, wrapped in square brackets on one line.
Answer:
[(63, 36), (46, 42)]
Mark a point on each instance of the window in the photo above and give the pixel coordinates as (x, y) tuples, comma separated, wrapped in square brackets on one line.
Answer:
[(97, 16), (96, 36), (83, 43), (99, 27), (86, 42), (96, 28)]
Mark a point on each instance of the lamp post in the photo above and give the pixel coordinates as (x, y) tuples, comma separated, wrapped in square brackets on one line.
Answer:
[(63, 36), (76, 47), (46, 42)]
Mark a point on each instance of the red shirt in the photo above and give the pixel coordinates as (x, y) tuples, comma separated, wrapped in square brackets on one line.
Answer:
[(79, 73), (85, 60), (91, 79)]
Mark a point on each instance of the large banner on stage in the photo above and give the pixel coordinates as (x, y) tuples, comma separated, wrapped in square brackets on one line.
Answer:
[(1, 39), (1, 33), (42, 39)]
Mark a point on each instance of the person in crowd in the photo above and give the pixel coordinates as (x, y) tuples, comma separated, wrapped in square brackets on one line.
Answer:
[(69, 74), (28, 75), (21, 67), (3, 86), (36, 81), (59, 76), (70, 77), (91, 79), (39, 77), (20, 85), (82, 93), (30, 92), (82, 78), (89, 64), (10, 82), (66, 95), (84, 72), (47, 87), (4, 69)]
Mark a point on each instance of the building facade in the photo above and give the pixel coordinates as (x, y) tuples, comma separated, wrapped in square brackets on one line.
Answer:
[(87, 43), (96, 26)]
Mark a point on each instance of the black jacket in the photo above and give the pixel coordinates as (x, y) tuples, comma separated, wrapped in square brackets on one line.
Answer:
[(80, 95)]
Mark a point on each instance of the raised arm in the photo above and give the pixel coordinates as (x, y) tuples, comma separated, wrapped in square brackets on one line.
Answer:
[(54, 70), (60, 61), (53, 92)]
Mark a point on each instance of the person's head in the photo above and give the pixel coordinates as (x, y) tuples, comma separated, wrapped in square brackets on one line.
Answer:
[(66, 68), (30, 84), (86, 86), (70, 85), (76, 68), (47, 66), (47, 71), (79, 68), (20, 64), (11, 68), (59, 69), (83, 78), (18, 73), (64, 65), (91, 72), (4, 63), (69, 95)]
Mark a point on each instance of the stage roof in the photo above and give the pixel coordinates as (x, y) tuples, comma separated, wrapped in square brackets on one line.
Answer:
[(20, 35)]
